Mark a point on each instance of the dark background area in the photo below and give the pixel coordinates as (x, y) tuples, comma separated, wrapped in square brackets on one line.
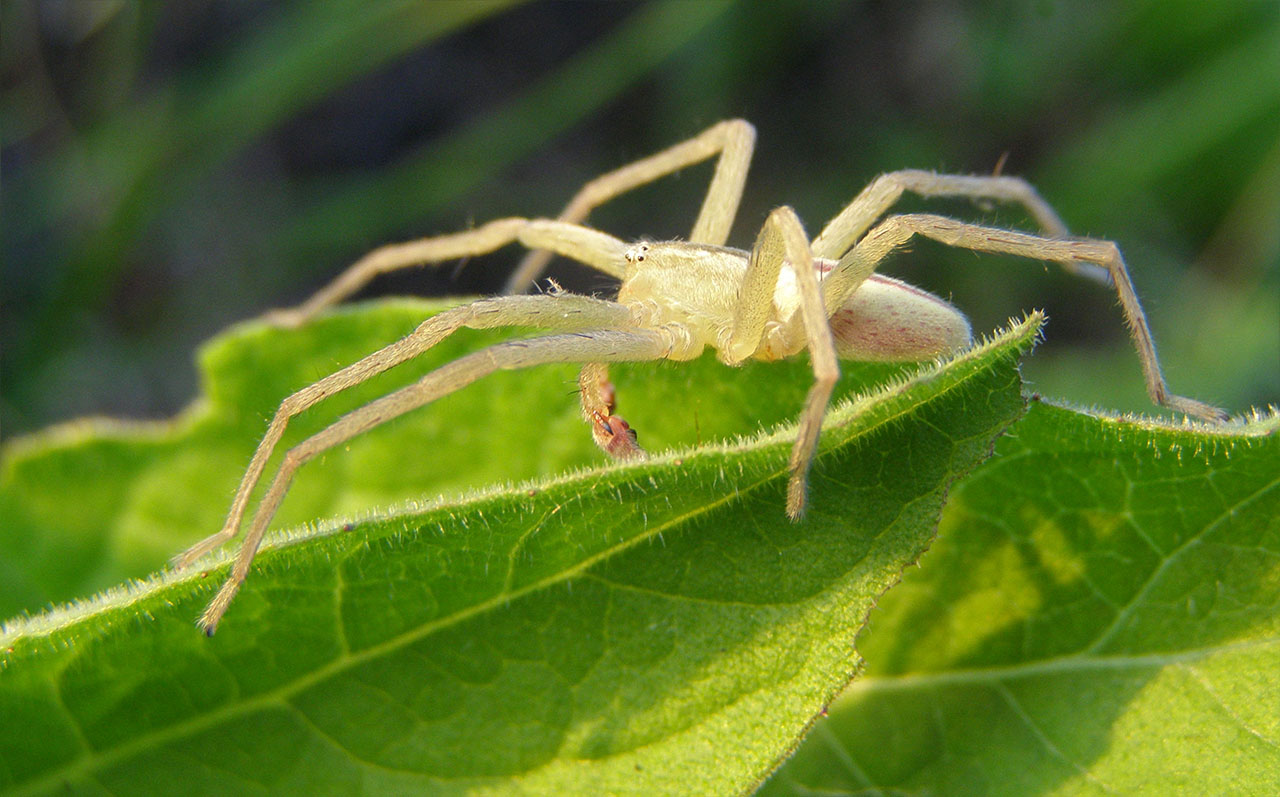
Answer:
[(169, 169)]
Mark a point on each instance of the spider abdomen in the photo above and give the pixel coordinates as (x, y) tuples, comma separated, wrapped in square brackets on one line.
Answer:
[(887, 320)]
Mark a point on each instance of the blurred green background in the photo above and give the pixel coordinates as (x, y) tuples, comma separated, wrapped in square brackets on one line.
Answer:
[(171, 168)]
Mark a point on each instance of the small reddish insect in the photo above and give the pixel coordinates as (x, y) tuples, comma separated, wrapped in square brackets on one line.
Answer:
[(787, 295)]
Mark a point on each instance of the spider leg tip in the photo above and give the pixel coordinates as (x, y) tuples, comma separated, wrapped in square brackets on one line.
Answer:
[(795, 508)]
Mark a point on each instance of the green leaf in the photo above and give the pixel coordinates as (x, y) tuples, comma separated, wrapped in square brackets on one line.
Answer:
[(648, 628), (1100, 614)]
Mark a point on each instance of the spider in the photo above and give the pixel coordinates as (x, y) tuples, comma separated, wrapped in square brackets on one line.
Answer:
[(786, 295)]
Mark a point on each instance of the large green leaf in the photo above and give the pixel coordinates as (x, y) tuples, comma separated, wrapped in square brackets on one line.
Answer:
[(650, 628), (1101, 614)]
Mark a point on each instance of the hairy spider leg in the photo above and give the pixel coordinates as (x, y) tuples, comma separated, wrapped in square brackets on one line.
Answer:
[(561, 312), (547, 312), (782, 241), (591, 247), (853, 221), (733, 141), (601, 345), (894, 232)]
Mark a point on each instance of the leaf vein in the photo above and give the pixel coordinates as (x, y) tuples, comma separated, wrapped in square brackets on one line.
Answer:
[(1153, 580), (1204, 684), (1044, 739)]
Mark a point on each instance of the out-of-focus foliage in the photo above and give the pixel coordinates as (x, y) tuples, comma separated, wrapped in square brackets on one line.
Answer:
[(170, 168)]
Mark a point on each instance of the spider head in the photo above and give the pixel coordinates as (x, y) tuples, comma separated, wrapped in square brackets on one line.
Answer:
[(636, 254)]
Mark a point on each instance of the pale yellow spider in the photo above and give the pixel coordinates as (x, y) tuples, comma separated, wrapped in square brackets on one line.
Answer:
[(784, 296)]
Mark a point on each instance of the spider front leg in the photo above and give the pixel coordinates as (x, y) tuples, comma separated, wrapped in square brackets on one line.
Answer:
[(600, 345), (561, 311), (782, 242), (565, 311), (894, 232)]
